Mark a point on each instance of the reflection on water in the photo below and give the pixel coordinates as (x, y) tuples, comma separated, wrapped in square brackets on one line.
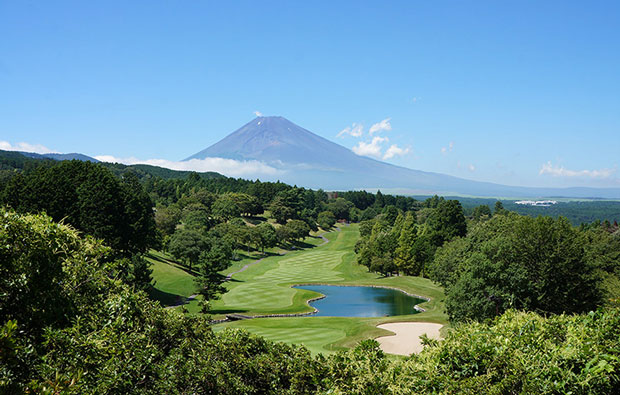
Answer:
[(361, 301)]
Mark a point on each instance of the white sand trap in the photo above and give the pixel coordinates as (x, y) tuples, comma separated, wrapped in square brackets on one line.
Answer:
[(407, 338)]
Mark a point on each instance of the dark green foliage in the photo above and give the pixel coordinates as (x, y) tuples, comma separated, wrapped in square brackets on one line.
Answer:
[(481, 212), (577, 211), (299, 229), (513, 261), (187, 245), (167, 218), (519, 353), (285, 205), (389, 214), (340, 207), (75, 330), (196, 216), (140, 273), (266, 236), (406, 257), (225, 208), (326, 219), (214, 258), (446, 222), (91, 199)]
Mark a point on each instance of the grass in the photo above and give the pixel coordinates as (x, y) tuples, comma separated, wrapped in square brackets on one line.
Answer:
[(265, 288)]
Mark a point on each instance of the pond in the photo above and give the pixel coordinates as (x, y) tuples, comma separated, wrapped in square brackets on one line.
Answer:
[(341, 301)]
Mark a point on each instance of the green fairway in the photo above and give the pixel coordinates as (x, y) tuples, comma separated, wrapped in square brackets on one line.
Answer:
[(265, 288), (174, 283)]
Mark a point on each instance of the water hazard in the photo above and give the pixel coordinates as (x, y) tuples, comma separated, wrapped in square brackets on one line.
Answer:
[(343, 301)]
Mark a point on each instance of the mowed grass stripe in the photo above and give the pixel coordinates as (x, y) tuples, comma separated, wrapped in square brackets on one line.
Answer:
[(270, 291)]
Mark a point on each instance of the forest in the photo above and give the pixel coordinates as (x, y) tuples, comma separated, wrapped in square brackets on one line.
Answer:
[(533, 302)]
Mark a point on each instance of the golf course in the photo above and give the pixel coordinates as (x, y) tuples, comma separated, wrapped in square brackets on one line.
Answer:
[(263, 286)]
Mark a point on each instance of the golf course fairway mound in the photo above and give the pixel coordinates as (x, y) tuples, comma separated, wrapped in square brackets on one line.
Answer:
[(406, 339)]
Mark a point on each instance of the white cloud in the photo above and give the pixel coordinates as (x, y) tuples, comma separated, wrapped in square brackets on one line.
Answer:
[(416, 99), (354, 130), (258, 113), (26, 147), (395, 150), (383, 125), (370, 149), (445, 150), (228, 167), (561, 171), (471, 167)]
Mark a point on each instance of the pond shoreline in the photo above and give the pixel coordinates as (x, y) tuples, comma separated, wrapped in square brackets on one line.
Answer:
[(416, 307), (235, 317)]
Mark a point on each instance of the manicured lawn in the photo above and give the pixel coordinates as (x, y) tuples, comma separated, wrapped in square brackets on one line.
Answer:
[(174, 283), (265, 288)]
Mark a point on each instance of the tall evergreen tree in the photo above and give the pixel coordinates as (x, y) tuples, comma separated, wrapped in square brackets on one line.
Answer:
[(405, 258)]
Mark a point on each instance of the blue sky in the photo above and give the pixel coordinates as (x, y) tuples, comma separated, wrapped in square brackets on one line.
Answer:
[(520, 93)]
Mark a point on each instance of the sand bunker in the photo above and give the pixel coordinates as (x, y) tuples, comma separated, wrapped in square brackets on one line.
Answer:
[(407, 338)]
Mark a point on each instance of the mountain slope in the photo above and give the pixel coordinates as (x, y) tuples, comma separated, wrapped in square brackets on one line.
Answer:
[(307, 159), (56, 156)]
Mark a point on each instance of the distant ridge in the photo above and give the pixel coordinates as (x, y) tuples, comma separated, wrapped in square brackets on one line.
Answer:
[(56, 156), (307, 159)]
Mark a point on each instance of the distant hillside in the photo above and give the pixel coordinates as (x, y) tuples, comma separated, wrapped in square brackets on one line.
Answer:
[(146, 171), (307, 159), (56, 156), (11, 161)]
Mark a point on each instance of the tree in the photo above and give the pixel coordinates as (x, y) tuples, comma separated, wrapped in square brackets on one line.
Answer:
[(167, 218), (481, 212), (513, 261), (379, 200), (326, 219), (267, 236), (446, 222), (405, 258), (390, 213), (136, 271), (340, 207), (225, 209), (213, 259), (196, 216), (284, 206), (285, 234), (499, 208), (89, 197), (187, 245), (298, 229)]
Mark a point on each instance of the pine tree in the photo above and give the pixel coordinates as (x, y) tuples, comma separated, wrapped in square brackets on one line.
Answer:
[(405, 254)]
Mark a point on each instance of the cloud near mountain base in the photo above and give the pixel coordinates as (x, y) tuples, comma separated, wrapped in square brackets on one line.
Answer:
[(561, 171), (228, 167), (25, 147)]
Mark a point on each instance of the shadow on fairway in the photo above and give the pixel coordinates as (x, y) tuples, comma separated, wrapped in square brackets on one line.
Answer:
[(227, 311), (171, 263), (165, 298), (303, 245)]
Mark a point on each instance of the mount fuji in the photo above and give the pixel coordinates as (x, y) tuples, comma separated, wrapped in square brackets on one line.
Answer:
[(306, 159)]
